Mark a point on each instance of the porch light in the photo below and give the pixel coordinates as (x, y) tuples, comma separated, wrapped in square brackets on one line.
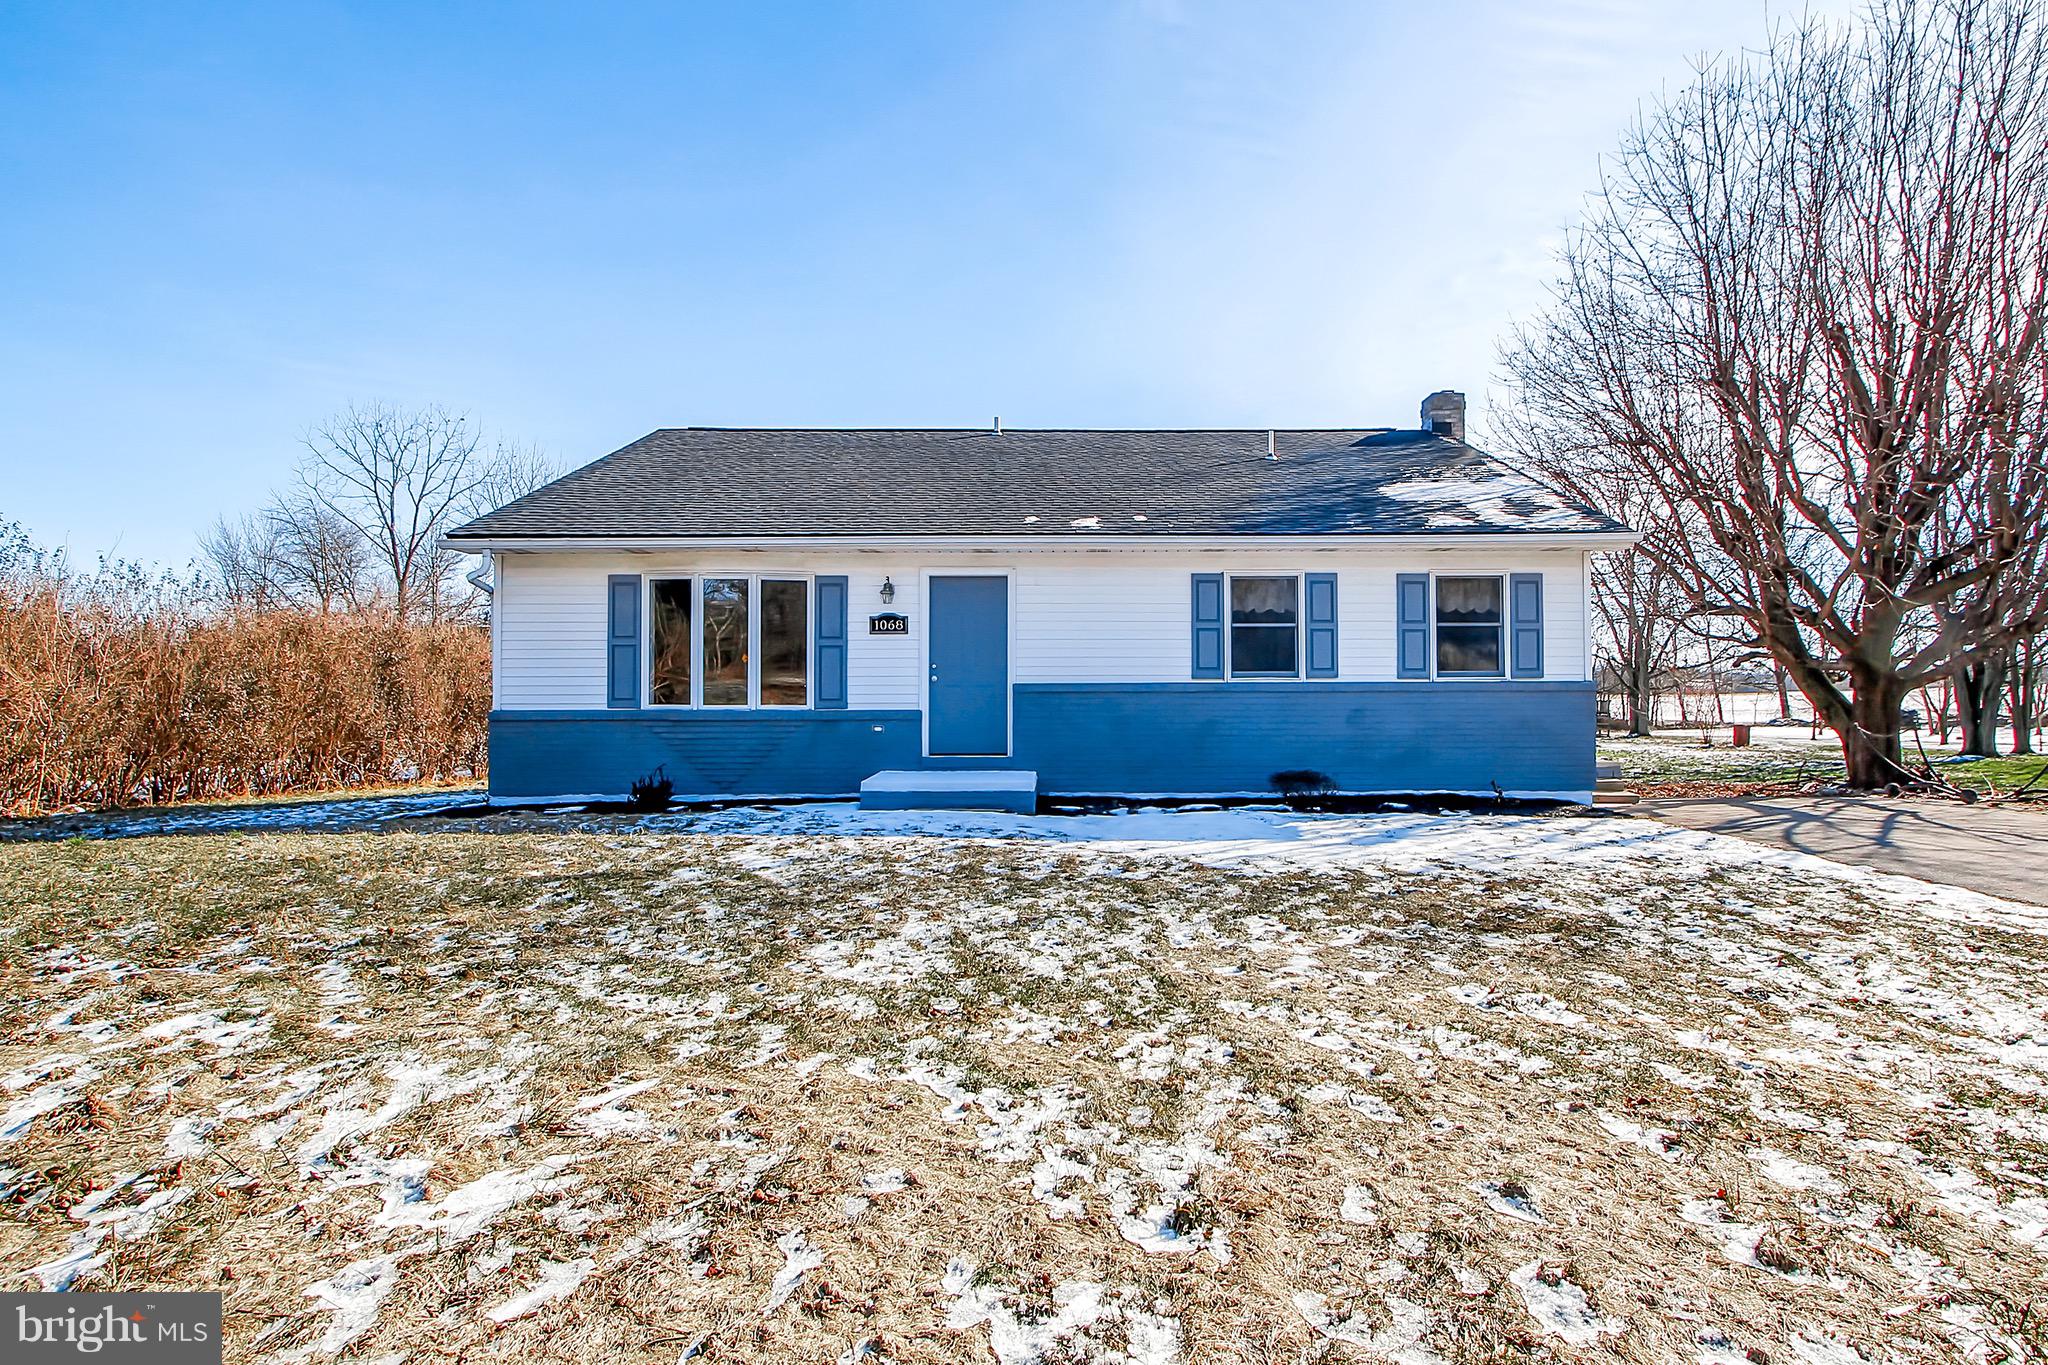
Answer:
[(888, 591)]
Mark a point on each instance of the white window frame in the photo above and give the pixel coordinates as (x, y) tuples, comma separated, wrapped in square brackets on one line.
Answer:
[(754, 578), (1500, 628), (1230, 673)]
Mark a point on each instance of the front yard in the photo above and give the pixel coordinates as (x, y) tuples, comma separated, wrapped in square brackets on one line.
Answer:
[(1208, 1086)]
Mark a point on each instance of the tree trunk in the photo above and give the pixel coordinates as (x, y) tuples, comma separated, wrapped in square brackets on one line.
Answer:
[(1870, 742), (1640, 700), (1934, 712), (2024, 663), (1978, 686), (1784, 693)]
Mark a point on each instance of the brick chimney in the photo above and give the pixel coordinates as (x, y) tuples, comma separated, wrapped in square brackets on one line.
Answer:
[(1443, 412)]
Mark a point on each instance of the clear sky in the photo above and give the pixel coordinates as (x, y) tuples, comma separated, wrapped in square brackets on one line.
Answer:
[(579, 223)]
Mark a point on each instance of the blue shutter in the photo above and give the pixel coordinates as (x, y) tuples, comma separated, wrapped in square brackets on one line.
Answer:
[(1208, 625), (1411, 614), (622, 638), (829, 664), (1322, 624), (1525, 598)]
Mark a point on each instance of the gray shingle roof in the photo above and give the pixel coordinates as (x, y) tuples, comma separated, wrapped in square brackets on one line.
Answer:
[(687, 482)]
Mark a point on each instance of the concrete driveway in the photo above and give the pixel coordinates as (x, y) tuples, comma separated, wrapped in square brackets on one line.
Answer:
[(1999, 851)]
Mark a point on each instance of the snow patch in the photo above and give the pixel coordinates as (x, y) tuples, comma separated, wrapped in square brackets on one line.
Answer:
[(1650, 1140), (558, 1280), (468, 1209), (1498, 500), (1357, 1206), (1400, 1341), (1026, 1333), (1560, 1307), (1825, 1350), (1509, 1200), (190, 1138), (355, 1296), (799, 1258), (23, 1113), (1793, 1175)]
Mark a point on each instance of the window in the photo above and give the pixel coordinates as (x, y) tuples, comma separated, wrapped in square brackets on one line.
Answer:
[(785, 642), (1468, 626), (670, 642), (742, 640), (1264, 627), (725, 641)]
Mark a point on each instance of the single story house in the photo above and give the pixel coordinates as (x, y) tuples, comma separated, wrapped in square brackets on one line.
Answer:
[(945, 614)]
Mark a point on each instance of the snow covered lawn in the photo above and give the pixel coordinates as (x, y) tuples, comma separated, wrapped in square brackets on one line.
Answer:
[(806, 1084), (1794, 757), (1773, 755)]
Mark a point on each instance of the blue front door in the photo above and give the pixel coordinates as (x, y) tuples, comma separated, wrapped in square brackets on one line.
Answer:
[(968, 673)]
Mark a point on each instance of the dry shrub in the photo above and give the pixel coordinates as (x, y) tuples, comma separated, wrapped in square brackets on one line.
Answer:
[(117, 689)]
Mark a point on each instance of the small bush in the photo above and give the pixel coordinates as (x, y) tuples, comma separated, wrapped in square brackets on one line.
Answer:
[(653, 792), (1296, 783)]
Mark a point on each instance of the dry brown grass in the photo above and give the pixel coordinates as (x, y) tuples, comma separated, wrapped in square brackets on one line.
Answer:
[(114, 692), (1495, 1020)]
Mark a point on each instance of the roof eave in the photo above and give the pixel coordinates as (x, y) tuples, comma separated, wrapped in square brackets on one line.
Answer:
[(1615, 539)]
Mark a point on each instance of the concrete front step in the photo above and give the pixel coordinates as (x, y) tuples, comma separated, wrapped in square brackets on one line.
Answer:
[(1608, 797), (1606, 767), (1604, 783), (953, 789)]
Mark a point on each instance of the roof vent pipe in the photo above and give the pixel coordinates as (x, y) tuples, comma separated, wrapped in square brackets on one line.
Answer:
[(998, 427), (1272, 447)]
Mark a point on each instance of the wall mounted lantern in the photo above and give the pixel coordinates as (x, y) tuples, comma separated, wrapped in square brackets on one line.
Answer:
[(888, 591)]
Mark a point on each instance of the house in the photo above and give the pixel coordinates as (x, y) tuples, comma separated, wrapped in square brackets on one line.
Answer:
[(984, 616)]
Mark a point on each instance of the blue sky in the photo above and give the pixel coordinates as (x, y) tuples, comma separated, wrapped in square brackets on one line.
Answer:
[(579, 223)]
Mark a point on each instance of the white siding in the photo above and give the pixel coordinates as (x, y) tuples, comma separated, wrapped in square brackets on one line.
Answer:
[(1076, 617), (1365, 600), (547, 616), (883, 672)]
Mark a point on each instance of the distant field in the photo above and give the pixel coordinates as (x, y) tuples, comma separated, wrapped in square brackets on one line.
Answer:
[(809, 1085)]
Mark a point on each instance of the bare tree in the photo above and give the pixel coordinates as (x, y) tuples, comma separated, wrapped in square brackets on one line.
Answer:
[(398, 477), (293, 554), (2030, 668), (1638, 611), (512, 471), (243, 562), (2027, 710), (1806, 312), (1937, 701), (1638, 608), (324, 559)]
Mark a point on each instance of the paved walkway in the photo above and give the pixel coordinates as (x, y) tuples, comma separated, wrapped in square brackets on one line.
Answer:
[(1999, 851)]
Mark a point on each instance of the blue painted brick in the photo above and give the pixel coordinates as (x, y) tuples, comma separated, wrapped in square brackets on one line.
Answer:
[(1088, 738)]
